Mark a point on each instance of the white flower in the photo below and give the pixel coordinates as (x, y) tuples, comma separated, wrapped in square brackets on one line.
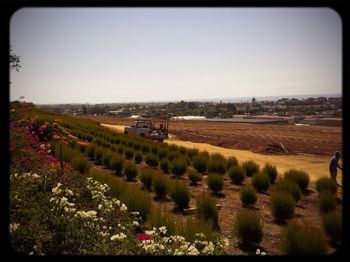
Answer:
[(263, 253), (163, 230), (123, 207), (257, 251), (135, 223), (135, 213), (31, 253), (120, 236), (13, 227), (99, 206), (35, 176)]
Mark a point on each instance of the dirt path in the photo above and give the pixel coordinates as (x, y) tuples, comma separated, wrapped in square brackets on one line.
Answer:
[(315, 166)]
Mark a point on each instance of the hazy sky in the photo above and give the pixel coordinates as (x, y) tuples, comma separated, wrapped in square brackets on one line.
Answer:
[(97, 55)]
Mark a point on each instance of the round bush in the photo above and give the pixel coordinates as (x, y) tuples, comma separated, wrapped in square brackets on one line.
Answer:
[(216, 165), (215, 182), (326, 184), (90, 151), (271, 171), (206, 209), (151, 160), (146, 177), (162, 153), (261, 182), (138, 157), (137, 146), (120, 149), (250, 167), (117, 163), (194, 177), (302, 240), (282, 205), (289, 186), (180, 194), (160, 185), (106, 158), (178, 167), (172, 155), (248, 195), (164, 165), (200, 163), (237, 174), (130, 170), (80, 164), (248, 227), (145, 148), (231, 162), (328, 202), (129, 153), (192, 152), (182, 150), (298, 176), (98, 155), (333, 227), (154, 150)]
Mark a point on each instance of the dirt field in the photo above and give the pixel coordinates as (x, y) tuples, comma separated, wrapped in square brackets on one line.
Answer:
[(266, 139)]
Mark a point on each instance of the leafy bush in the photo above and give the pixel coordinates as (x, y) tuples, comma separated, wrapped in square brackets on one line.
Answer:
[(151, 160), (182, 150), (161, 217), (328, 202), (80, 164), (326, 184), (146, 177), (120, 149), (261, 182), (200, 163), (232, 161), (117, 163), (164, 165), (298, 176), (248, 195), (194, 177), (271, 171), (194, 226), (180, 194), (129, 153), (216, 165), (206, 209), (106, 158), (162, 153), (154, 150), (172, 155), (130, 170), (237, 174), (90, 151), (333, 227), (302, 240), (178, 167), (289, 186), (98, 155), (282, 205), (145, 148), (137, 146), (248, 227), (160, 185), (192, 152), (250, 167), (215, 182), (138, 157)]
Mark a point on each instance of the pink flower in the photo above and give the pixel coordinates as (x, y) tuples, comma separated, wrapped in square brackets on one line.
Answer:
[(142, 237), (52, 158)]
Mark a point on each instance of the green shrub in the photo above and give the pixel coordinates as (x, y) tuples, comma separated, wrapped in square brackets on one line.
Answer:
[(271, 171), (333, 227), (282, 205), (137, 146), (200, 163), (248, 195), (146, 177), (120, 149), (195, 226), (80, 164), (161, 217), (192, 152), (206, 209), (90, 152), (250, 167), (98, 155), (164, 165), (160, 185), (194, 177), (232, 161), (327, 202), (162, 153), (178, 167), (154, 150), (215, 182), (106, 158), (326, 184), (180, 194), (261, 182), (117, 163), (302, 240), (172, 155), (289, 186), (137, 200), (216, 165), (113, 149), (145, 148), (130, 170), (138, 157), (248, 228), (237, 174), (298, 176), (129, 153), (151, 160)]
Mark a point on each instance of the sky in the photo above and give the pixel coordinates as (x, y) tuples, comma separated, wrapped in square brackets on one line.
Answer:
[(111, 55)]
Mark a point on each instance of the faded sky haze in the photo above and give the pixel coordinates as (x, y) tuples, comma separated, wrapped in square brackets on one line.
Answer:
[(106, 55)]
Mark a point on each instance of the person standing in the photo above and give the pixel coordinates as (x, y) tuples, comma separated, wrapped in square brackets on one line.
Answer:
[(333, 165)]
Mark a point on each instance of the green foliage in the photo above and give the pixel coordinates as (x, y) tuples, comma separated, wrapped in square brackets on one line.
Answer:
[(328, 202), (298, 176), (129, 153), (146, 177), (248, 195), (271, 171), (164, 165), (120, 149), (138, 157), (106, 158), (178, 167), (130, 170), (195, 226), (333, 227), (237, 174), (80, 164), (162, 153), (206, 209), (216, 165), (98, 155), (90, 151), (261, 182), (248, 228), (250, 167), (302, 240), (151, 160), (194, 177), (282, 205), (326, 184), (192, 152), (215, 182), (160, 185), (117, 163), (172, 155), (232, 161), (289, 186), (161, 217), (145, 148), (200, 163), (180, 194)]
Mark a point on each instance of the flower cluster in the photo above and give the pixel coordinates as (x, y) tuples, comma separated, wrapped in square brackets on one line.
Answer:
[(61, 199)]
